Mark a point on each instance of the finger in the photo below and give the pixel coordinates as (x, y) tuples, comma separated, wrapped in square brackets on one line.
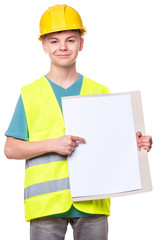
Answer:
[(76, 138), (139, 148), (73, 143), (146, 138), (149, 149), (145, 147), (72, 148), (144, 144), (69, 153), (138, 134), (76, 144)]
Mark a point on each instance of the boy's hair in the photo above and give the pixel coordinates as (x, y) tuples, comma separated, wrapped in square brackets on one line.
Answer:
[(77, 30), (74, 30)]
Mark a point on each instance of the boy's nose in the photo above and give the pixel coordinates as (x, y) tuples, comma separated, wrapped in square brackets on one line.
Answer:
[(63, 46)]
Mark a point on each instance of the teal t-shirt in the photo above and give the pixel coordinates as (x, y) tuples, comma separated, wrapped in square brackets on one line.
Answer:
[(18, 127)]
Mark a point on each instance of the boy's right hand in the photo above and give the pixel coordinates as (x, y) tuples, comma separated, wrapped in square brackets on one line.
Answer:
[(66, 144)]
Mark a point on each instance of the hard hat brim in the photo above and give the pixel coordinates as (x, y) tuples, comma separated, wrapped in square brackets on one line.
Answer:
[(83, 32)]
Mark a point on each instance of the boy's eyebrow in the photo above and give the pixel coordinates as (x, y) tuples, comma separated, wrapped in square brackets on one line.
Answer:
[(49, 38), (72, 36), (52, 38)]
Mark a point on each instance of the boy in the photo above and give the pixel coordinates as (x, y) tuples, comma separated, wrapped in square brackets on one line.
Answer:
[(37, 133)]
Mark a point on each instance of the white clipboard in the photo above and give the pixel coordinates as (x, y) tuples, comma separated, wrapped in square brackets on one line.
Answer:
[(108, 164)]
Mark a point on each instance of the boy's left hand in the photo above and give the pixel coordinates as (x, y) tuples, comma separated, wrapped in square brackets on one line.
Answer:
[(144, 141)]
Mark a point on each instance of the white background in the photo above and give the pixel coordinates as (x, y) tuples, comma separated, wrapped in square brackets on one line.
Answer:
[(122, 51)]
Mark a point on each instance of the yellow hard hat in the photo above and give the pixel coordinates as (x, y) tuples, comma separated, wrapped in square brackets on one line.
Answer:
[(60, 18)]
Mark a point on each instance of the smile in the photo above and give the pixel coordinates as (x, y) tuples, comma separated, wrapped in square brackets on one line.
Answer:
[(64, 55)]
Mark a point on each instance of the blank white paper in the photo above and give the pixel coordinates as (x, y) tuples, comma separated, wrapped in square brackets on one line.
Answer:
[(108, 162)]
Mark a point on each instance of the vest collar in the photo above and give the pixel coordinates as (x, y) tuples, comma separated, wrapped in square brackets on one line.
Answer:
[(51, 92)]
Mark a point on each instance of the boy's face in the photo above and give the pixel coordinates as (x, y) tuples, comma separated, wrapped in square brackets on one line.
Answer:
[(63, 47)]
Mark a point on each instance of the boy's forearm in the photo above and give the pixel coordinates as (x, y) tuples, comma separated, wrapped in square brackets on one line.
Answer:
[(19, 149)]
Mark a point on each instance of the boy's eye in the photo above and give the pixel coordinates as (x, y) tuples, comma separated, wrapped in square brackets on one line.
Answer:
[(54, 41), (70, 40)]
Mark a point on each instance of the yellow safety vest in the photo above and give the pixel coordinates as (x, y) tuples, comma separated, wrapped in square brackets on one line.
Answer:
[(47, 188)]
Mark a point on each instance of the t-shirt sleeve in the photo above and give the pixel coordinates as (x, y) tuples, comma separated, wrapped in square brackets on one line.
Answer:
[(18, 127)]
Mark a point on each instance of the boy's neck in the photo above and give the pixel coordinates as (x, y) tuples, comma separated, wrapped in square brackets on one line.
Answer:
[(63, 77)]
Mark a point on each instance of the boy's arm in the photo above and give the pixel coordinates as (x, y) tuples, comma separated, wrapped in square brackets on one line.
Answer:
[(19, 149), (65, 145)]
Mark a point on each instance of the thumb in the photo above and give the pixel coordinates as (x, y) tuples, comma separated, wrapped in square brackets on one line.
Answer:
[(138, 134)]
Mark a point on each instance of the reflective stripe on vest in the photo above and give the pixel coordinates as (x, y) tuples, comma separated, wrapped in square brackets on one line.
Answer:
[(46, 187), (46, 177), (46, 158)]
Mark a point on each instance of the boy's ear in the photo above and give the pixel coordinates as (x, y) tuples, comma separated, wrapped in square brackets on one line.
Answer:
[(44, 46), (81, 44)]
